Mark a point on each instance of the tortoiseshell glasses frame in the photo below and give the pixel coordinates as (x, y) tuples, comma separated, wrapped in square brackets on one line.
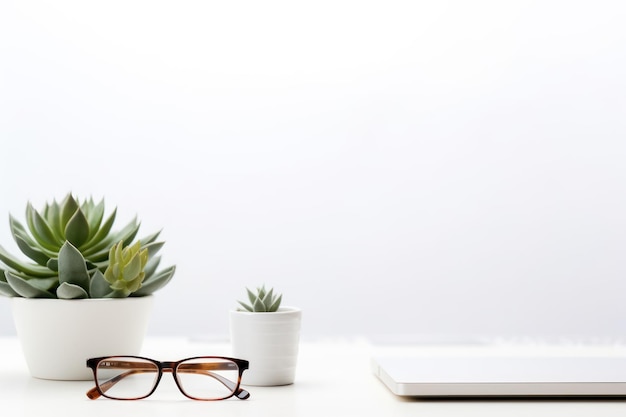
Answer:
[(142, 376)]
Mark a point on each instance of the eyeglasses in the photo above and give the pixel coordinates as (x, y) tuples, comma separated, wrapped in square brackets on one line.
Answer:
[(205, 378)]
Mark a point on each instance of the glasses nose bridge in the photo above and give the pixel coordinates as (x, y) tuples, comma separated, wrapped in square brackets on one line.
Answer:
[(168, 366)]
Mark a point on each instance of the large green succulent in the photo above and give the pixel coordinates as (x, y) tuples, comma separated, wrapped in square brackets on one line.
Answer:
[(71, 246)]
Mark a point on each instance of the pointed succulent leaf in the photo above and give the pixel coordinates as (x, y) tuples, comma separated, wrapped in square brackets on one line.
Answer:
[(251, 296), (153, 248), (77, 229), (72, 268), (261, 291), (94, 217), (87, 205), (134, 285), (6, 290), (133, 268), (42, 283), (156, 282), (276, 304), (246, 307), (17, 229), (127, 234), (25, 268), (69, 291), (53, 214), (46, 284), (267, 298), (259, 306), (53, 264), (98, 286), (26, 288), (111, 273), (151, 266), (102, 233), (118, 294), (68, 207), (33, 253), (150, 238), (41, 230)]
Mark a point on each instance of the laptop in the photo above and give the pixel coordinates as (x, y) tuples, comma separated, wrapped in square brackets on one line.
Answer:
[(483, 376)]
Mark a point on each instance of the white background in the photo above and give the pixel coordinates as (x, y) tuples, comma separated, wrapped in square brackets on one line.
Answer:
[(447, 167)]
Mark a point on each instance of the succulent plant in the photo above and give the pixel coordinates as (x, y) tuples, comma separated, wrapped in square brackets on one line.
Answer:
[(125, 272), (261, 301), (72, 246)]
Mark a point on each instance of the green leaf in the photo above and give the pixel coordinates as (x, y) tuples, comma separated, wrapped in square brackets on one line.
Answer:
[(72, 268), (25, 288), (53, 264), (95, 216), (70, 291), (17, 229), (68, 208), (118, 294), (127, 234), (267, 299), (259, 306), (276, 304), (261, 291), (99, 287), (102, 233), (156, 282), (251, 296), (245, 306), (133, 268), (33, 253), (153, 248), (77, 229), (150, 238), (151, 266), (41, 283), (53, 216), (99, 257), (41, 230), (7, 291), (26, 268)]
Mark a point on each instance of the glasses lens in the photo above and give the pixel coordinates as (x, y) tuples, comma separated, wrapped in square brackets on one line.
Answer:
[(126, 378), (208, 378)]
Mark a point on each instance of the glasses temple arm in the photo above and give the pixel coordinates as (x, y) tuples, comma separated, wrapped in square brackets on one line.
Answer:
[(240, 393), (95, 393)]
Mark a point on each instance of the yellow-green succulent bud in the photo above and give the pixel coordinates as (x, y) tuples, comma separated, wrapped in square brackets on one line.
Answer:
[(125, 272)]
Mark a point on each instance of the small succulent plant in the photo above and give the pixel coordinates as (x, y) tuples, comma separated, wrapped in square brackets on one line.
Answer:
[(261, 301), (125, 272), (74, 252)]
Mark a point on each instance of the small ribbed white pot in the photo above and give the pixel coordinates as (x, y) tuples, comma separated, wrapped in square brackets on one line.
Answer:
[(270, 342), (57, 336)]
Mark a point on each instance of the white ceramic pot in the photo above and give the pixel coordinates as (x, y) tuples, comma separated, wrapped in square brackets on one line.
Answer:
[(269, 341), (57, 336)]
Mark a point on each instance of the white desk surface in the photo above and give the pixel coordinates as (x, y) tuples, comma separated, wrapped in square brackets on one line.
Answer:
[(334, 378)]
